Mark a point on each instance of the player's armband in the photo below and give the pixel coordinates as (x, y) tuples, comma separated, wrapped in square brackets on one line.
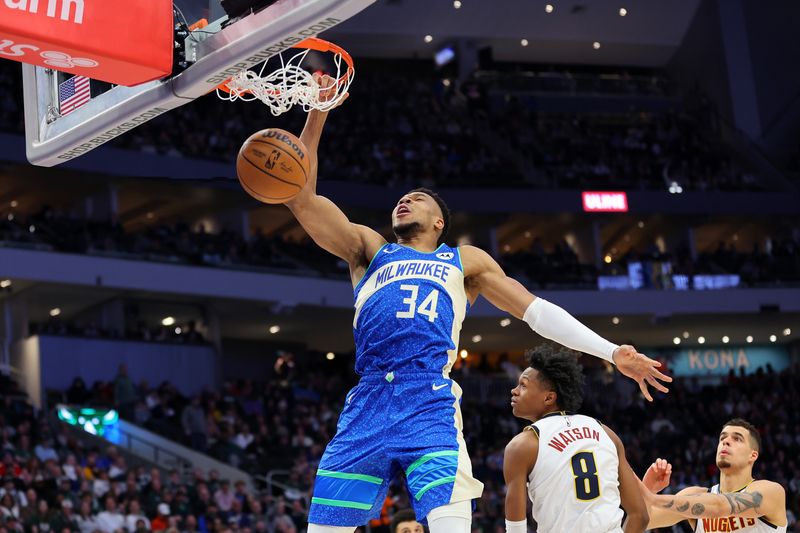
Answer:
[(554, 323), (520, 526)]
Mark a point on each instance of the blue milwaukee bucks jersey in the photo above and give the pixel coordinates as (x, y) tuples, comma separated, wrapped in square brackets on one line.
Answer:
[(409, 310)]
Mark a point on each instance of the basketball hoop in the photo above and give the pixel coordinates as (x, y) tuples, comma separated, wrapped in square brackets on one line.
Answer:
[(292, 84)]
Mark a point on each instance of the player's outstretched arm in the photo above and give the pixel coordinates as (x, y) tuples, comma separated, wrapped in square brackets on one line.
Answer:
[(327, 225), (631, 499), (484, 276), (762, 498), (655, 480), (518, 462)]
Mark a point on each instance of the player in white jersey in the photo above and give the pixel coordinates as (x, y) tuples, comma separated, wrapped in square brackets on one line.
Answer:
[(737, 503), (411, 296), (574, 467)]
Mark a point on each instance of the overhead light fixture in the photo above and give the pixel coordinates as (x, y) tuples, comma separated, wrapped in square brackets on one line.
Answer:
[(457, 4), (640, 224), (32, 228), (428, 38), (330, 356), (55, 311), (463, 354), (524, 42), (477, 338), (549, 8), (615, 320), (701, 340), (596, 45), (274, 329), (675, 188), (773, 338), (676, 340), (168, 321), (178, 330), (607, 259), (6, 283), (14, 203), (10, 217), (749, 339), (623, 12), (787, 332), (725, 339), (505, 322), (685, 334), (446, 82)]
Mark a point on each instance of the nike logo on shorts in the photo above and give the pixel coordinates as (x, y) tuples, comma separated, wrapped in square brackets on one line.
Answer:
[(439, 387)]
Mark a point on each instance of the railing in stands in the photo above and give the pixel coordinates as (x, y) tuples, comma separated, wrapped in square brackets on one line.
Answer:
[(168, 454)]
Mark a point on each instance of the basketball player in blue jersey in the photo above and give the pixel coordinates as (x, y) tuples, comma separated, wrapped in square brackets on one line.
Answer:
[(738, 503), (410, 299)]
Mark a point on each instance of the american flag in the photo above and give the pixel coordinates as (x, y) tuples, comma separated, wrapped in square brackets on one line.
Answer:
[(73, 93)]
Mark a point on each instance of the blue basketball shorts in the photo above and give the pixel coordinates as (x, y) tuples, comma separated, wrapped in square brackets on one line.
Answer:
[(394, 422)]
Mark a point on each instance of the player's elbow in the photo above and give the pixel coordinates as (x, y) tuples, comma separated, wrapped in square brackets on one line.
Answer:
[(637, 520)]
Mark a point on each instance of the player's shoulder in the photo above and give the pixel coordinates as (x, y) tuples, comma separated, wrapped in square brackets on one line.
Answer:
[(475, 260), (521, 451), (523, 442), (767, 488), (611, 434)]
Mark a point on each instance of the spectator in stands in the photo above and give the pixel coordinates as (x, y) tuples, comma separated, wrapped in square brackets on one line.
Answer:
[(124, 393), (135, 515), (45, 452), (87, 522), (161, 521), (77, 394), (65, 519), (193, 420), (110, 520), (282, 522), (224, 497)]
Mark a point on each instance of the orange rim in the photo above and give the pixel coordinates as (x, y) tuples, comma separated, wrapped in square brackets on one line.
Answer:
[(320, 45)]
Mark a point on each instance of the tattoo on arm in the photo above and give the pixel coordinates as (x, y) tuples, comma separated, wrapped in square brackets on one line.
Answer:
[(739, 503), (730, 502), (747, 500)]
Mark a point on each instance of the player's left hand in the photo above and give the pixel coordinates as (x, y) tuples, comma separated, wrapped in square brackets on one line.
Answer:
[(657, 476), (641, 368)]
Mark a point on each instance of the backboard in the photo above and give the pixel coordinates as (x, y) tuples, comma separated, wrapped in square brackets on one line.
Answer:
[(208, 56)]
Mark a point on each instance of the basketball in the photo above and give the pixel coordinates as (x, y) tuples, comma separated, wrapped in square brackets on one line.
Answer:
[(273, 166)]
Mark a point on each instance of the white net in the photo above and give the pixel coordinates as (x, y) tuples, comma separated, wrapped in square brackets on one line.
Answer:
[(289, 85)]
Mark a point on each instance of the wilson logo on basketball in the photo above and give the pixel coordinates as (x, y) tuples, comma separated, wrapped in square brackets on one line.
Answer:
[(273, 134)]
